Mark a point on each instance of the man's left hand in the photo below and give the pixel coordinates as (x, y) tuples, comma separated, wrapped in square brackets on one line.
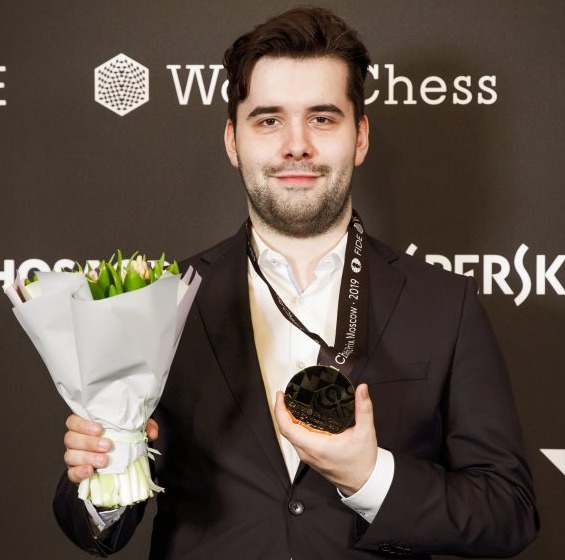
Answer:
[(346, 459)]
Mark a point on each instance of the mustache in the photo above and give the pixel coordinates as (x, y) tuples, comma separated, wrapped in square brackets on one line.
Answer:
[(297, 167)]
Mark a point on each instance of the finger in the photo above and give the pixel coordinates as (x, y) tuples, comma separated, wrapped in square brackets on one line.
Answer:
[(78, 474), (78, 424), (152, 429), (283, 417), (363, 407), (288, 424), (76, 440), (77, 458)]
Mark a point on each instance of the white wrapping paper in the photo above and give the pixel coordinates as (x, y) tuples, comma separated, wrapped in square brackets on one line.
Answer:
[(109, 358)]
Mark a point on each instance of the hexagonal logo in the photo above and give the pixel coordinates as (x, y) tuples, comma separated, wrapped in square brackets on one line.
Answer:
[(121, 84)]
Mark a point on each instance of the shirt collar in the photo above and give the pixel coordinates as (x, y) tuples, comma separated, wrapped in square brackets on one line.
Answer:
[(272, 261)]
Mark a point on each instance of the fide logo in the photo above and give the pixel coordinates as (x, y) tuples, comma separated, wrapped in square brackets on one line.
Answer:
[(121, 84)]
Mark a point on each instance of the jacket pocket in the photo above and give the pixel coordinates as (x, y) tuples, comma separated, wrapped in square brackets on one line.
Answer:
[(389, 372)]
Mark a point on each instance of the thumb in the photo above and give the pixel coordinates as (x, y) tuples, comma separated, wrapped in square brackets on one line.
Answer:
[(282, 415), (363, 407)]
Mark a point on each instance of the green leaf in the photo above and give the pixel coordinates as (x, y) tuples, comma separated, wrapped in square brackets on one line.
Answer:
[(133, 281), (116, 279), (104, 278), (95, 290), (157, 270), (112, 291), (131, 259), (173, 268)]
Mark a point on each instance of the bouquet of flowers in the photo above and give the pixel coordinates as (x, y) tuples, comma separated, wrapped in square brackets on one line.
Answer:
[(108, 336)]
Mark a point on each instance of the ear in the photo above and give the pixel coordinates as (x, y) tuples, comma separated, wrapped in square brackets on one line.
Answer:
[(362, 144), (229, 141)]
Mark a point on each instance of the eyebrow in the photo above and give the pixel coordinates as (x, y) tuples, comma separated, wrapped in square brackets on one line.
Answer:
[(270, 109), (264, 110), (329, 108)]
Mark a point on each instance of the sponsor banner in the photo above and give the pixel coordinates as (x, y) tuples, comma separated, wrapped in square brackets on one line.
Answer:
[(492, 272), (495, 274), (122, 85)]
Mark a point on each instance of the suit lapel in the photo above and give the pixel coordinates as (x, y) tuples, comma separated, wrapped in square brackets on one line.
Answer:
[(224, 306), (387, 283)]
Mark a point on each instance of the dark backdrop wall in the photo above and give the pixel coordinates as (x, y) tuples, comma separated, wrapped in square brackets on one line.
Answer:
[(466, 169)]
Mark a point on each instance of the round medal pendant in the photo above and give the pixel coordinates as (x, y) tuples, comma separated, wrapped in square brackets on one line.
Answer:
[(321, 397)]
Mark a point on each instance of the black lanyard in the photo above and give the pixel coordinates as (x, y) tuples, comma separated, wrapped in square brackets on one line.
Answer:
[(353, 305)]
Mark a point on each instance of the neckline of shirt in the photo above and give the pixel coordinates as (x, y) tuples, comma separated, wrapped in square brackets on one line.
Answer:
[(275, 266)]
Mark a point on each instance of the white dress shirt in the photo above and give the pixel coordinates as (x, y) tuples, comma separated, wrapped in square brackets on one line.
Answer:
[(283, 349)]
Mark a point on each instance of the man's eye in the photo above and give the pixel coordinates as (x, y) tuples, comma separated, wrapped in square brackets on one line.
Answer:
[(322, 120), (269, 122)]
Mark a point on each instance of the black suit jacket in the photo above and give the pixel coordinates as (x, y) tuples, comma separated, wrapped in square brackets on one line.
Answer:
[(442, 403)]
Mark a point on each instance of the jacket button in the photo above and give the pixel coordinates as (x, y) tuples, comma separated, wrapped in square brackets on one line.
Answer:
[(296, 507)]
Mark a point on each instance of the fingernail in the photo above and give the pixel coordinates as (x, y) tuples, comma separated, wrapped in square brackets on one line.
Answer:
[(104, 444), (98, 460)]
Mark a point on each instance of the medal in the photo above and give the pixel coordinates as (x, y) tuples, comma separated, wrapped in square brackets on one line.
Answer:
[(322, 398)]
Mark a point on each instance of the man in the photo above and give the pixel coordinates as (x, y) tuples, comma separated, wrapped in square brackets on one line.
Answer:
[(433, 464)]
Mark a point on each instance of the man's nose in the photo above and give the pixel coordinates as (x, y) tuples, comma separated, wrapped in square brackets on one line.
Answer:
[(297, 143)]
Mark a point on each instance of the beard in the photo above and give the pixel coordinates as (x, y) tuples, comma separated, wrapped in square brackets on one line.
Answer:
[(294, 211)]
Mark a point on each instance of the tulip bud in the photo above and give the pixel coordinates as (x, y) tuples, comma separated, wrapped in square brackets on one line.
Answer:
[(140, 266)]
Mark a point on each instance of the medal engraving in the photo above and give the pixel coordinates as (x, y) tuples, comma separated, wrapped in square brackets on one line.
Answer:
[(321, 397)]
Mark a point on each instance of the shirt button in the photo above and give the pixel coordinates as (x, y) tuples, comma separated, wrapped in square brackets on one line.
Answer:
[(296, 507)]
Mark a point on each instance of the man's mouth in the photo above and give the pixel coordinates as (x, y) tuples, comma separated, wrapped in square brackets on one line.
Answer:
[(296, 177)]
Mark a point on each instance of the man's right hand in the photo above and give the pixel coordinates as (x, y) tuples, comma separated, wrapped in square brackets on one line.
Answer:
[(87, 449)]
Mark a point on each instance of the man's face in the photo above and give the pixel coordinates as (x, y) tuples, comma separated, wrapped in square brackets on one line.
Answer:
[(296, 144)]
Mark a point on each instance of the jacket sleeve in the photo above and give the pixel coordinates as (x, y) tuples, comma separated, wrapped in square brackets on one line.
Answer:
[(72, 516), (478, 499)]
